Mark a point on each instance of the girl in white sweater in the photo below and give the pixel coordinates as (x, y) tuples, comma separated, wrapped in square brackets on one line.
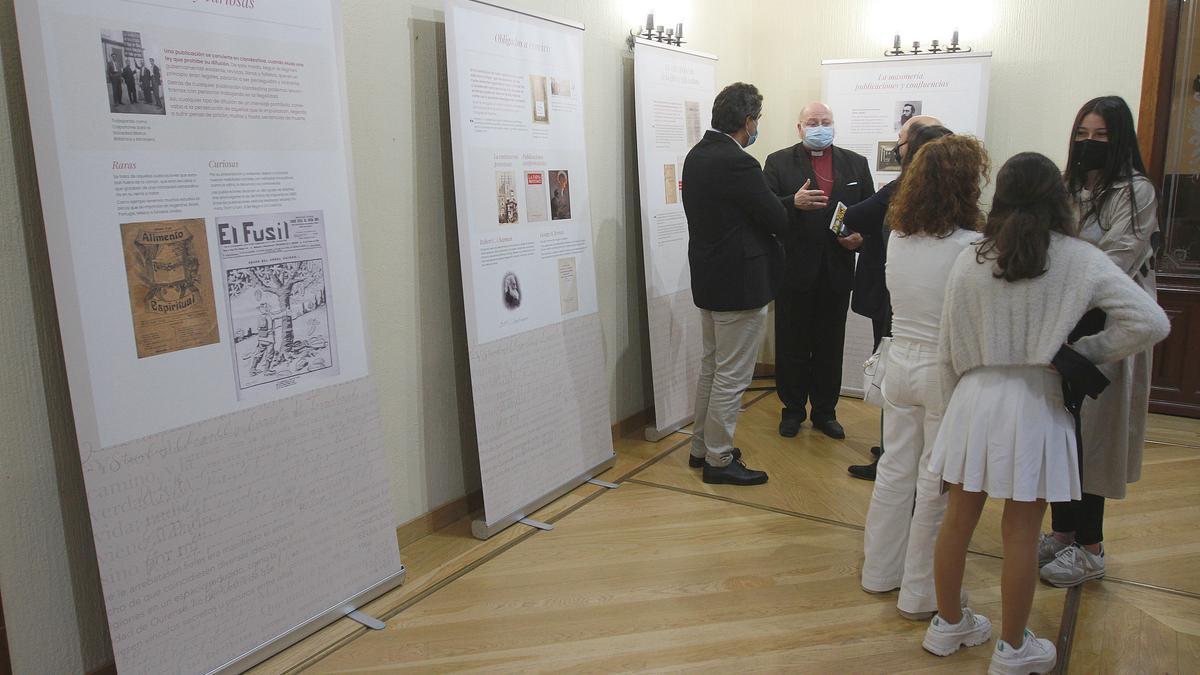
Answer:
[(1010, 304)]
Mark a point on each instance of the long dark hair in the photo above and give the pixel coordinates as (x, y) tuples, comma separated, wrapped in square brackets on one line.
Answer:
[(1031, 201), (1124, 157)]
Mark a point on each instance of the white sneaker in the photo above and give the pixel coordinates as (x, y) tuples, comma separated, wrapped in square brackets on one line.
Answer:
[(1036, 655), (1073, 566), (943, 639), (1048, 549)]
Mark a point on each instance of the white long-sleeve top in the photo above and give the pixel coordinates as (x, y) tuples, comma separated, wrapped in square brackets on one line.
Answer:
[(918, 267), (992, 322)]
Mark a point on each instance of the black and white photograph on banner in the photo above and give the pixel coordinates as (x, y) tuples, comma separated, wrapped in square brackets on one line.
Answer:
[(561, 86), (133, 73), (885, 156), (906, 110), (692, 123), (507, 211), (510, 288), (670, 184), (539, 98), (560, 195)]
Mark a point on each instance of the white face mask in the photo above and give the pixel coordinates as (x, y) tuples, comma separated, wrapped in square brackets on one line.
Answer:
[(818, 138)]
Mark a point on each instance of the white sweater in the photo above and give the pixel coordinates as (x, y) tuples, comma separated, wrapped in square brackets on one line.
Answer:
[(992, 322)]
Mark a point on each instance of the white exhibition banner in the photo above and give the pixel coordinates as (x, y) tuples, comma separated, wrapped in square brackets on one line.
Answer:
[(193, 160), (673, 96), (871, 99), (525, 242)]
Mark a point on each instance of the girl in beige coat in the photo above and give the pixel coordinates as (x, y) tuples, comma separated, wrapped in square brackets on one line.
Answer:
[(1117, 209)]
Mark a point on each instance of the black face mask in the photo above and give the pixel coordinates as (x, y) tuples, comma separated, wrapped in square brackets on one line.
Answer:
[(1091, 154)]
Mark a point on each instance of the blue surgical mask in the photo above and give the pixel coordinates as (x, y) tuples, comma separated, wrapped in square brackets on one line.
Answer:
[(818, 138), (753, 137)]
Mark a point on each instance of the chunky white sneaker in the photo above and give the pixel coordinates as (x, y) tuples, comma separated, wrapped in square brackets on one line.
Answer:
[(1048, 549), (1073, 566), (943, 639), (1036, 655)]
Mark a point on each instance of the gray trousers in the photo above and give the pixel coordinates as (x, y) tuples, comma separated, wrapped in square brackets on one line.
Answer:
[(731, 344)]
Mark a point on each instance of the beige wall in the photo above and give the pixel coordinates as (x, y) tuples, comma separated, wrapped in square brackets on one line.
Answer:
[(1048, 60)]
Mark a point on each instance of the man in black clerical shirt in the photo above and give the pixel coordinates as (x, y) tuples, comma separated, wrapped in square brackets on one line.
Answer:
[(810, 179)]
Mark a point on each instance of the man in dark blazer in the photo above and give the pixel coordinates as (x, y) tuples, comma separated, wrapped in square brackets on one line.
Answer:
[(810, 178), (734, 221)]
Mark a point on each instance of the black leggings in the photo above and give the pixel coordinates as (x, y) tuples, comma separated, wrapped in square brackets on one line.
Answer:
[(1084, 517)]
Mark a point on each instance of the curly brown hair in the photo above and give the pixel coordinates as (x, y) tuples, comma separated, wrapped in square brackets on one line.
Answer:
[(939, 192)]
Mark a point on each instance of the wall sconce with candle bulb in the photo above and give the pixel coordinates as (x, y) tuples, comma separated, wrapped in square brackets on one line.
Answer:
[(935, 47), (651, 31)]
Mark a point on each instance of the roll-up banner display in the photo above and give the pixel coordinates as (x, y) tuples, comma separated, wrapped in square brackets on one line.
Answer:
[(536, 352), (194, 167), (673, 96), (871, 99)]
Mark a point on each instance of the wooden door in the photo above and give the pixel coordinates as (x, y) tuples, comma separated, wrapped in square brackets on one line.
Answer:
[(1169, 132)]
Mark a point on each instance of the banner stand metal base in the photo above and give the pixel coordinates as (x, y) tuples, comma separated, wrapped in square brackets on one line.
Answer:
[(345, 608), (366, 620), (603, 483), (482, 530), (536, 524)]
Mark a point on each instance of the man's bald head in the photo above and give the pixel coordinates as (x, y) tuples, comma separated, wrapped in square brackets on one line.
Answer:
[(918, 121), (815, 114), (815, 109)]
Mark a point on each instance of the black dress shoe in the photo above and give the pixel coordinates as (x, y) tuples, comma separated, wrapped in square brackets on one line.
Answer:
[(735, 473), (864, 471), (697, 462), (876, 452), (789, 424), (830, 428)]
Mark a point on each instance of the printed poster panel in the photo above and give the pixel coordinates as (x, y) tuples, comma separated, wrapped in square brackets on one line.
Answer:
[(872, 99), (525, 245), (277, 293), (170, 285), (193, 166), (673, 95)]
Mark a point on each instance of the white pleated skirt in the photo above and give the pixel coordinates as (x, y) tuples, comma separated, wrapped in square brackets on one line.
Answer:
[(1007, 433)]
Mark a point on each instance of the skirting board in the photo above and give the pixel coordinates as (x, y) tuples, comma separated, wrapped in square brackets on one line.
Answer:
[(482, 530), (312, 625)]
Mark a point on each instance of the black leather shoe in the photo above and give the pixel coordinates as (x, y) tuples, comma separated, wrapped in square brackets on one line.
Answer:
[(789, 424), (735, 473), (863, 471), (697, 462), (876, 452), (830, 428)]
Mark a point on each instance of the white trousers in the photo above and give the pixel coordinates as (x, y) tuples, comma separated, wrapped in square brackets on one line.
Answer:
[(907, 505), (731, 344)]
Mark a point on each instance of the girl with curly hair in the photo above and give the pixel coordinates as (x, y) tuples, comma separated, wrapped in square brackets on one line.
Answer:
[(934, 216)]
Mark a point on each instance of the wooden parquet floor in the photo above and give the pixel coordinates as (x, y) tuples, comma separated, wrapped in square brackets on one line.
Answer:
[(669, 574)]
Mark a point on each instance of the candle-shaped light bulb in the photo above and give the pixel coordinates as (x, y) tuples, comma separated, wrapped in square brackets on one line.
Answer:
[(954, 40), (679, 31), (650, 22), (896, 44), (670, 32)]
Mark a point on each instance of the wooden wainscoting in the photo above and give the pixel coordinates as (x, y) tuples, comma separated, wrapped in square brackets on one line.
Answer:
[(1176, 379)]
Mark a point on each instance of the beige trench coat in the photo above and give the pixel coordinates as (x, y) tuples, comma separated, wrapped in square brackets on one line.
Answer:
[(1114, 425)]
